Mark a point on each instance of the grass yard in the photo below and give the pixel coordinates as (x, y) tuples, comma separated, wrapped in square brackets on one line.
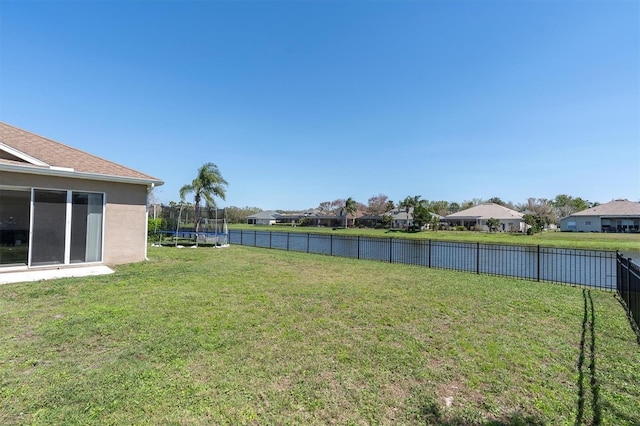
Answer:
[(252, 336), (574, 240)]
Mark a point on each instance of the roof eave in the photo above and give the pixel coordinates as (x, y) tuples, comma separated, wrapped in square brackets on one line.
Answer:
[(21, 155), (69, 173), (483, 217), (462, 217)]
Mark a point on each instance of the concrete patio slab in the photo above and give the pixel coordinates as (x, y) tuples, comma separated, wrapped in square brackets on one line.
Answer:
[(50, 274)]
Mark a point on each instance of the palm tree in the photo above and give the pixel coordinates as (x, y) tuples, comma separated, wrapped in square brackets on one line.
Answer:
[(208, 184), (350, 207)]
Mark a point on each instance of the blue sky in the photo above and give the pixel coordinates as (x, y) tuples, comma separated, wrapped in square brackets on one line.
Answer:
[(300, 102)]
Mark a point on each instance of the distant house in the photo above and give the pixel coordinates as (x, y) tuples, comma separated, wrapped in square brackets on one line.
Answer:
[(324, 220), (306, 218), (614, 216), (62, 207), (476, 218), (268, 217), (369, 221), (403, 218)]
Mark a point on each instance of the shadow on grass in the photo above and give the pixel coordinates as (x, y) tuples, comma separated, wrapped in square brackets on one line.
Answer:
[(588, 339), (622, 417), (429, 412), (632, 322), (589, 410)]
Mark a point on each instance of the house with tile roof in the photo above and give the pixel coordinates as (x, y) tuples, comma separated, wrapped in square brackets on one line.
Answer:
[(62, 207), (476, 218), (614, 216), (268, 217), (402, 218), (311, 217)]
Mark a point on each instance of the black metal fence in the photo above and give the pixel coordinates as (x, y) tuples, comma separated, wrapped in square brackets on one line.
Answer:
[(592, 268), (628, 286)]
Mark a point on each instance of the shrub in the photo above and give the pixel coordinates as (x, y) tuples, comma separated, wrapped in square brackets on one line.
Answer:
[(156, 225), (535, 222)]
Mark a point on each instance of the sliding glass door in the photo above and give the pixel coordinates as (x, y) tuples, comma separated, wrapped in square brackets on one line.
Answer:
[(49, 227), (86, 227), (43, 227), (14, 226)]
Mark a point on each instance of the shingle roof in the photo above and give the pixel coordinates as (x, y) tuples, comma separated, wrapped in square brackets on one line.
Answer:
[(486, 211), (612, 208), (269, 214), (400, 213), (22, 148)]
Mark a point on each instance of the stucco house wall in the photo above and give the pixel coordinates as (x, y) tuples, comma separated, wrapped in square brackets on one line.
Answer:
[(125, 218), (36, 166), (581, 223), (506, 225)]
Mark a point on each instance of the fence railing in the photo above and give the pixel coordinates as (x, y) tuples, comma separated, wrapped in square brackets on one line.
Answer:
[(628, 286), (592, 268)]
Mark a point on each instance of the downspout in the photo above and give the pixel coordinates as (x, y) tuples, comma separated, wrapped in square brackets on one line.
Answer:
[(146, 221)]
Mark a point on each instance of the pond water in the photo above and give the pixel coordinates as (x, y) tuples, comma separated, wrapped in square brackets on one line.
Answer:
[(593, 268), (634, 255)]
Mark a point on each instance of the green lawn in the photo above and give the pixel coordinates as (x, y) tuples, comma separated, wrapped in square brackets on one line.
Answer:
[(251, 336), (593, 241)]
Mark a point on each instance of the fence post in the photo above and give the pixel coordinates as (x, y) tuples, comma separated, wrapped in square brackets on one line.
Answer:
[(477, 258), (358, 246), (538, 275), (308, 237), (618, 271), (429, 253), (331, 245), (241, 237), (628, 298), (270, 234), (390, 250), (288, 235)]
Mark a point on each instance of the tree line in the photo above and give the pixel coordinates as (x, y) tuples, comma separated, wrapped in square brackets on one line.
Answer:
[(549, 211), (209, 185)]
